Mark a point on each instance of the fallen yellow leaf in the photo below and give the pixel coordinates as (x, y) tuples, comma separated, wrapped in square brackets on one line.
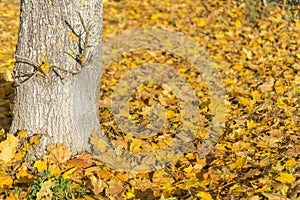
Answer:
[(286, 178)]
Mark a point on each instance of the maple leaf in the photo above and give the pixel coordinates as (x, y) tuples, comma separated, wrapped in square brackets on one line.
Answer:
[(115, 187), (8, 148), (79, 162), (98, 185), (58, 153)]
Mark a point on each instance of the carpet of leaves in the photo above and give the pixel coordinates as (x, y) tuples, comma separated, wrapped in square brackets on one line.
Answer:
[(256, 49)]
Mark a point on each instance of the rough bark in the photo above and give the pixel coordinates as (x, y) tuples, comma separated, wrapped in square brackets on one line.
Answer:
[(65, 107)]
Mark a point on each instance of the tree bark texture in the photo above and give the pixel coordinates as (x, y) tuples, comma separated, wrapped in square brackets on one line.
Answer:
[(64, 107)]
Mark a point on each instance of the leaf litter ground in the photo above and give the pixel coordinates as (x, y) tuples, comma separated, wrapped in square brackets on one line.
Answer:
[(256, 49)]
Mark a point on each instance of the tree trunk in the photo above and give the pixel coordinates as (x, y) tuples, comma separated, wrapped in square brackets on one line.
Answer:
[(63, 106)]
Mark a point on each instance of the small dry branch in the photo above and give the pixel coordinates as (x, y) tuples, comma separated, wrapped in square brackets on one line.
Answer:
[(82, 59)]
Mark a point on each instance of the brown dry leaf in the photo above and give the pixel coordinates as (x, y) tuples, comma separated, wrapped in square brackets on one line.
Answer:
[(106, 103), (91, 170), (79, 162), (267, 86), (115, 187), (58, 153), (98, 185), (274, 196), (104, 174)]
